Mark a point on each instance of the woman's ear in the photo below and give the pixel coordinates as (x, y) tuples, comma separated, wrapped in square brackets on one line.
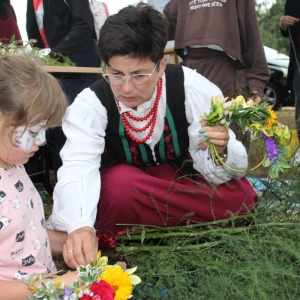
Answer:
[(162, 66)]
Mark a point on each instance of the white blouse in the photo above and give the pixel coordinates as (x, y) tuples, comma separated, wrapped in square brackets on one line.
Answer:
[(77, 191)]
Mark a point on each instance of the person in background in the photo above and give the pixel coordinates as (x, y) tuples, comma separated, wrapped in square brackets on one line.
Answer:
[(158, 4), (140, 124), (8, 23), (290, 27), (66, 27), (217, 40), (31, 100)]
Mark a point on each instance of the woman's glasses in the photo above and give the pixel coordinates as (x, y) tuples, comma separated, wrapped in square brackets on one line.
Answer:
[(138, 79)]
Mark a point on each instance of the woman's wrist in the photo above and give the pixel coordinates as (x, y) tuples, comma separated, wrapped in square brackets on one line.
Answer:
[(221, 157)]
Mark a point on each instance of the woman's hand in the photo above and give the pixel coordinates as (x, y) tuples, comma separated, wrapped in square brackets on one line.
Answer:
[(80, 247), (217, 135)]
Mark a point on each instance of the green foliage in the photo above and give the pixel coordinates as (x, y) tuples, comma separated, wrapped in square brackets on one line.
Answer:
[(259, 259), (268, 20), (34, 53)]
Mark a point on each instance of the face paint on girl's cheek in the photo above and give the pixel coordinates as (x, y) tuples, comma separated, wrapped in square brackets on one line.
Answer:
[(26, 139)]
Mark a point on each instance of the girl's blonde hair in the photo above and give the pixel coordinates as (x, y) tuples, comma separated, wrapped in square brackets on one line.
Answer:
[(28, 94)]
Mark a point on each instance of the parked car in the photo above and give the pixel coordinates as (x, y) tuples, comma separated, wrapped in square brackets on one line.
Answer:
[(277, 93)]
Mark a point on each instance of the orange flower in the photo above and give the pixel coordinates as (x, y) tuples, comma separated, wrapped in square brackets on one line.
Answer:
[(272, 119)]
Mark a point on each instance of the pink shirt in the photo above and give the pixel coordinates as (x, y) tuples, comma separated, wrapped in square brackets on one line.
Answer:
[(24, 244)]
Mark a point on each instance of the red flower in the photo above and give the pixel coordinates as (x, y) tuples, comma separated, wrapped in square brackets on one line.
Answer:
[(102, 289), (86, 297)]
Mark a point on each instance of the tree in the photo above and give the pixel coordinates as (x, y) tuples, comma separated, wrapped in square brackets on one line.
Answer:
[(268, 20)]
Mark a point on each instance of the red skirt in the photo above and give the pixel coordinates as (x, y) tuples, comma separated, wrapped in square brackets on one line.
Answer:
[(160, 196)]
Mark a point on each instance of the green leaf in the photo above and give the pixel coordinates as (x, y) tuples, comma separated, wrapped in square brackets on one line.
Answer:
[(283, 164), (102, 261), (266, 162), (131, 271), (143, 235), (135, 279)]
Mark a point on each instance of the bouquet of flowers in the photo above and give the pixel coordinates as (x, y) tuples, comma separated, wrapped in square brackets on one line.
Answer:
[(263, 125), (96, 281), (45, 57)]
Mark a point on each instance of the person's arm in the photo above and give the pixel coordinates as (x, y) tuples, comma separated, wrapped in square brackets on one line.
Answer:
[(198, 93), (288, 19), (57, 239), (170, 13), (77, 191), (16, 290), (81, 30), (257, 71), (31, 25)]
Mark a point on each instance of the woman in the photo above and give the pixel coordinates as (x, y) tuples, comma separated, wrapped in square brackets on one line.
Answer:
[(140, 124)]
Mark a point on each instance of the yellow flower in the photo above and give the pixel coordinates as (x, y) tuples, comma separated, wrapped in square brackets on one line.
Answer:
[(272, 119), (59, 284), (119, 280), (238, 103)]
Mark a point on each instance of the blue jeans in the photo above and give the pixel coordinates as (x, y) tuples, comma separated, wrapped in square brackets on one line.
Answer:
[(296, 86), (86, 56)]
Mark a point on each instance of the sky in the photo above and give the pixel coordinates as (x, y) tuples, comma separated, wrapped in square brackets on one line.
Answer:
[(20, 7)]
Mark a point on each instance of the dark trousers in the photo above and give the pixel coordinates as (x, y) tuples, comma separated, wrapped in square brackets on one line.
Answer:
[(86, 56), (296, 86)]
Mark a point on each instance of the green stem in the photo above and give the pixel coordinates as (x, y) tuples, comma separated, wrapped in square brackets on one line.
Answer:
[(152, 228), (169, 248), (235, 170), (259, 163), (222, 162), (202, 233), (142, 247)]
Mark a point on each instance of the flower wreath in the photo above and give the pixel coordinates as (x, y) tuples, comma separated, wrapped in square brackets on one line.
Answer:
[(96, 281), (261, 121)]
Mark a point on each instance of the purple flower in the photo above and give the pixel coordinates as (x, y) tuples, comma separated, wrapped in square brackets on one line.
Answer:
[(271, 148), (68, 291)]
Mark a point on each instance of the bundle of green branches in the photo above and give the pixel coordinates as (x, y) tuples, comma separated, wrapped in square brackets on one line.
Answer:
[(45, 57), (259, 259)]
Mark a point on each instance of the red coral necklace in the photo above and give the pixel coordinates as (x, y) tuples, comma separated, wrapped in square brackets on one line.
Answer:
[(151, 115)]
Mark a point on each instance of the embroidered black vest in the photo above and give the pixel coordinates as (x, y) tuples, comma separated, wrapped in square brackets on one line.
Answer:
[(173, 144)]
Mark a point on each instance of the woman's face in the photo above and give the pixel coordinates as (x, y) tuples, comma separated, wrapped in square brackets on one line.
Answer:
[(129, 94)]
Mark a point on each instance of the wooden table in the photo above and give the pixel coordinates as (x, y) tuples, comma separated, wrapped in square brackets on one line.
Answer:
[(173, 56), (66, 69)]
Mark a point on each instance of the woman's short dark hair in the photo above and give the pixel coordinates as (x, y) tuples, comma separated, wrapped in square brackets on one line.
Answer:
[(139, 32)]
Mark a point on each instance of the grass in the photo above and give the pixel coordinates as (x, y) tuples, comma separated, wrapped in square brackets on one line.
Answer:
[(257, 260)]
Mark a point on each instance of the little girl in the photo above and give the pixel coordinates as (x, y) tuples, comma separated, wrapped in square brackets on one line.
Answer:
[(30, 101)]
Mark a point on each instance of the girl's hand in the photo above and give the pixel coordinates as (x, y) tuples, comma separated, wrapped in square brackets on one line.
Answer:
[(69, 277)]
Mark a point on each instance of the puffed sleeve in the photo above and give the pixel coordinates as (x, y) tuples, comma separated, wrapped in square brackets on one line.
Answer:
[(198, 95), (77, 191)]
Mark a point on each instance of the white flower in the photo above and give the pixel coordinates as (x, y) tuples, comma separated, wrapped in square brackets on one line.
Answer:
[(227, 104)]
